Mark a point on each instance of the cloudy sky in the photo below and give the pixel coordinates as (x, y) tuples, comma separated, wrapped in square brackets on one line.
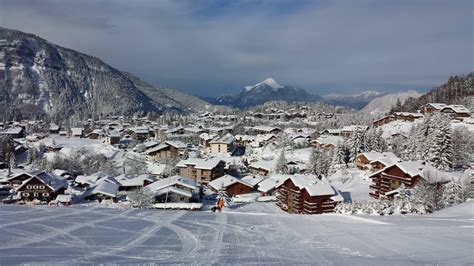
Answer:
[(216, 47)]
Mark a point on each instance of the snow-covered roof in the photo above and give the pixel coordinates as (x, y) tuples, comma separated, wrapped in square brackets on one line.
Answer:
[(206, 164), (207, 136), (50, 180), (175, 190), (313, 185), (421, 168), (227, 139), (384, 157), (265, 165), (226, 181), (134, 181), (176, 143), (76, 131), (157, 148), (173, 181), (457, 108), (104, 188), (156, 169), (253, 179), (328, 139), (13, 130), (437, 106), (272, 182), (64, 198)]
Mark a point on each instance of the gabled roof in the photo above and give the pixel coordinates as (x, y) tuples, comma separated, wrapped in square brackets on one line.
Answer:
[(313, 185), (227, 139), (437, 106), (272, 182), (49, 180), (104, 188), (176, 143), (206, 164), (457, 109), (225, 181), (157, 148), (172, 181), (134, 181), (328, 139), (387, 157), (253, 179)]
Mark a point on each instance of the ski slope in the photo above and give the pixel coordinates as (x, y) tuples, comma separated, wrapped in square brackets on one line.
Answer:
[(236, 236)]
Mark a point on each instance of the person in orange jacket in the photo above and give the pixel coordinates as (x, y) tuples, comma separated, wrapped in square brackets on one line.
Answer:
[(220, 204)]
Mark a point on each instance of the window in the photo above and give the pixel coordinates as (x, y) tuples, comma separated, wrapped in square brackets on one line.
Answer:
[(35, 187), (26, 194), (45, 194), (28, 187), (394, 184), (35, 195), (41, 187), (181, 199)]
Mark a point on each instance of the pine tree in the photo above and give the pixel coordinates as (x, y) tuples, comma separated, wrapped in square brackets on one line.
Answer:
[(440, 144), (454, 192), (281, 167)]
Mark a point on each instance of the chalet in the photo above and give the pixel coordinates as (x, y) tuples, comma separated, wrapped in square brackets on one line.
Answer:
[(456, 111), (63, 133), (140, 133), (103, 190), (95, 134), (244, 140), (201, 170), (15, 132), (375, 160), (384, 120), (386, 181), (263, 130), (253, 180), (112, 138), (40, 186), (231, 185), (132, 183), (333, 132), (161, 151), (268, 186), (262, 167), (430, 108), (53, 129), (326, 142), (348, 130), (173, 189), (307, 194), (223, 144), (77, 132), (405, 116)]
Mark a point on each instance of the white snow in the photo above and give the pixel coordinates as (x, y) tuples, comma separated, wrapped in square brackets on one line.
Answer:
[(255, 233), (269, 81)]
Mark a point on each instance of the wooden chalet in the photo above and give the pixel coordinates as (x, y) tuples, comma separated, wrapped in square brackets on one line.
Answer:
[(173, 189), (375, 160), (40, 186), (385, 182), (456, 111), (430, 108), (232, 185), (307, 194)]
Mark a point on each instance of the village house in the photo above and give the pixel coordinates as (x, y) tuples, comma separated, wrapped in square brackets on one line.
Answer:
[(224, 144), (173, 189), (15, 132), (406, 116), (262, 167), (330, 131), (53, 129), (77, 132), (386, 181), (307, 194), (95, 134), (38, 185), (112, 138), (102, 190), (326, 142), (348, 130), (384, 120), (269, 186), (231, 185), (253, 180), (132, 183), (375, 160), (430, 108), (456, 111), (201, 170)]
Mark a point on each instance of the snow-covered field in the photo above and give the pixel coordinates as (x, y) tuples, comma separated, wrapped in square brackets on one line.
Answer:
[(253, 234)]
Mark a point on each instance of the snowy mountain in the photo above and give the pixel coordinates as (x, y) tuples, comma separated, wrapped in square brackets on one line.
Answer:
[(357, 100), (385, 103), (39, 78), (265, 91)]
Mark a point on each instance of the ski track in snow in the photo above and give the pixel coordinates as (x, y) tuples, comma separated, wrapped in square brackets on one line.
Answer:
[(97, 235)]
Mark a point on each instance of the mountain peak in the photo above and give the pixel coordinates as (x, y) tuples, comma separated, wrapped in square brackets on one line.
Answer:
[(269, 81)]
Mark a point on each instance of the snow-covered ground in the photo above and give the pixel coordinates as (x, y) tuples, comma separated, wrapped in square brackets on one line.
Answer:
[(242, 235)]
